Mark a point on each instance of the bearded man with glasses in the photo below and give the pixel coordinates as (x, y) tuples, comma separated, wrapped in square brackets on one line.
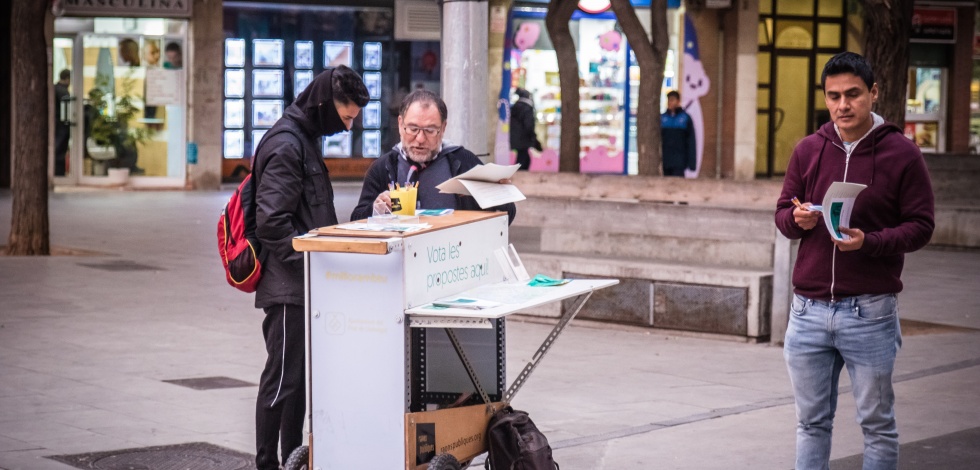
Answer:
[(422, 157)]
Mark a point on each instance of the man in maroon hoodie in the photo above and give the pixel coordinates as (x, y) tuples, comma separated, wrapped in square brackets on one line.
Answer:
[(844, 310)]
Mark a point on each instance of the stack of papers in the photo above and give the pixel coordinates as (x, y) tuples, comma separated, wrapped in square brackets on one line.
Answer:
[(467, 303), (394, 227), (481, 182), (837, 205)]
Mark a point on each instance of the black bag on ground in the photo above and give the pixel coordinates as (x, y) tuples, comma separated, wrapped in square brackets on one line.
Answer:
[(514, 443)]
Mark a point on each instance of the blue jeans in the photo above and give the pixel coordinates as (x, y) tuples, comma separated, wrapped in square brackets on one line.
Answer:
[(862, 333)]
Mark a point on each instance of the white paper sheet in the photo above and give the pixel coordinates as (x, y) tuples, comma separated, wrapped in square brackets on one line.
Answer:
[(837, 205), (163, 87), (492, 194), (394, 227), (481, 183)]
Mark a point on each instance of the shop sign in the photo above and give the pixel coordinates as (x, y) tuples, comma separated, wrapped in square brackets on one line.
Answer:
[(128, 8), (933, 25)]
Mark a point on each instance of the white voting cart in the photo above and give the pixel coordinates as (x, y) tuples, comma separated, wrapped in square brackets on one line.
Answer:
[(392, 379)]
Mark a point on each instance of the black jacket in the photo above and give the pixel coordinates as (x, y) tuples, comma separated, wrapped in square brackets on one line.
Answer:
[(385, 169), (522, 136), (293, 194)]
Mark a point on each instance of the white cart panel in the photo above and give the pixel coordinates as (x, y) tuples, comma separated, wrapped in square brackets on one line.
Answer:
[(358, 320), (446, 262)]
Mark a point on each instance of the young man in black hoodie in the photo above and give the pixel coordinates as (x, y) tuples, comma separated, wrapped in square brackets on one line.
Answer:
[(293, 195), (422, 156)]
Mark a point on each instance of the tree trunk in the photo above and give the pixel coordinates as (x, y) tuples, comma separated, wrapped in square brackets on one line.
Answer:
[(29, 182), (6, 145), (886, 45), (557, 18), (651, 56)]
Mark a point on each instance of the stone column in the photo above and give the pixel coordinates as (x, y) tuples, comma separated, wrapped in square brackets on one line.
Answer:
[(205, 92), (745, 99), (783, 260), (465, 72)]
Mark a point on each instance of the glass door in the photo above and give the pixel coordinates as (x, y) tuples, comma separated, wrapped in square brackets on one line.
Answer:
[(126, 102), (792, 108)]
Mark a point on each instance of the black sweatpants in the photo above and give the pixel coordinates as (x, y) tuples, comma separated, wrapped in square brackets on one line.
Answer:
[(281, 402)]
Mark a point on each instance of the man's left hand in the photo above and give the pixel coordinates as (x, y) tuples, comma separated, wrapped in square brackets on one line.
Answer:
[(854, 243)]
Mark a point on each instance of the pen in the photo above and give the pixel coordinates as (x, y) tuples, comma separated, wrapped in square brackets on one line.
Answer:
[(408, 179), (796, 202), (391, 186)]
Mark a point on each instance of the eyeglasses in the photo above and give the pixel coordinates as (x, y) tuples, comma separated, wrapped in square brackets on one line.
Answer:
[(414, 130)]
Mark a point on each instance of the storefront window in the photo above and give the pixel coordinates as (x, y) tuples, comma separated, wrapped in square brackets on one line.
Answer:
[(828, 35), (126, 107), (765, 7), (794, 35), (272, 52), (765, 32), (829, 8), (805, 34), (608, 92), (925, 107)]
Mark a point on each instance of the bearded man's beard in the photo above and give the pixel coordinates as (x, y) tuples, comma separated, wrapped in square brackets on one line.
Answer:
[(421, 156)]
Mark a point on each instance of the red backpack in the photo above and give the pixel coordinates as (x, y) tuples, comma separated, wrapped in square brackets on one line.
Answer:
[(237, 244)]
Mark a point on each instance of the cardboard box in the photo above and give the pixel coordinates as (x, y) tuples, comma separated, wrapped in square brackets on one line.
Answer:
[(458, 431)]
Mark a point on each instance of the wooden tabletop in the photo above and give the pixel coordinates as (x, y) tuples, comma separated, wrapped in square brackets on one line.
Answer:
[(338, 240)]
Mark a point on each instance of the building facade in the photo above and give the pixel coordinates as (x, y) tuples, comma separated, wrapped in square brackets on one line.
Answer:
[(196, 81)]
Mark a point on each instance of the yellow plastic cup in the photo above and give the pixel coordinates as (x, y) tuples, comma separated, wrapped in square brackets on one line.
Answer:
[(403, 200)]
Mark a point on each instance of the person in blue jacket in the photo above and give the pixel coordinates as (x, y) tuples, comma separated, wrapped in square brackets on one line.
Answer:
[(677, 138)]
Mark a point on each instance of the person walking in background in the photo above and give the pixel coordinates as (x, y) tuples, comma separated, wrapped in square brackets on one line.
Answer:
[(844, 310), (677, 138), (522, 136), (293, 195), (62, 133)]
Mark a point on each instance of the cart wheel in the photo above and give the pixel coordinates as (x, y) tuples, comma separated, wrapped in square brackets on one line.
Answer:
[(299, 459), (444, 462)]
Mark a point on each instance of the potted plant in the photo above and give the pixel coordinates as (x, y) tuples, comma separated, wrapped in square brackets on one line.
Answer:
[(111, 140)]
